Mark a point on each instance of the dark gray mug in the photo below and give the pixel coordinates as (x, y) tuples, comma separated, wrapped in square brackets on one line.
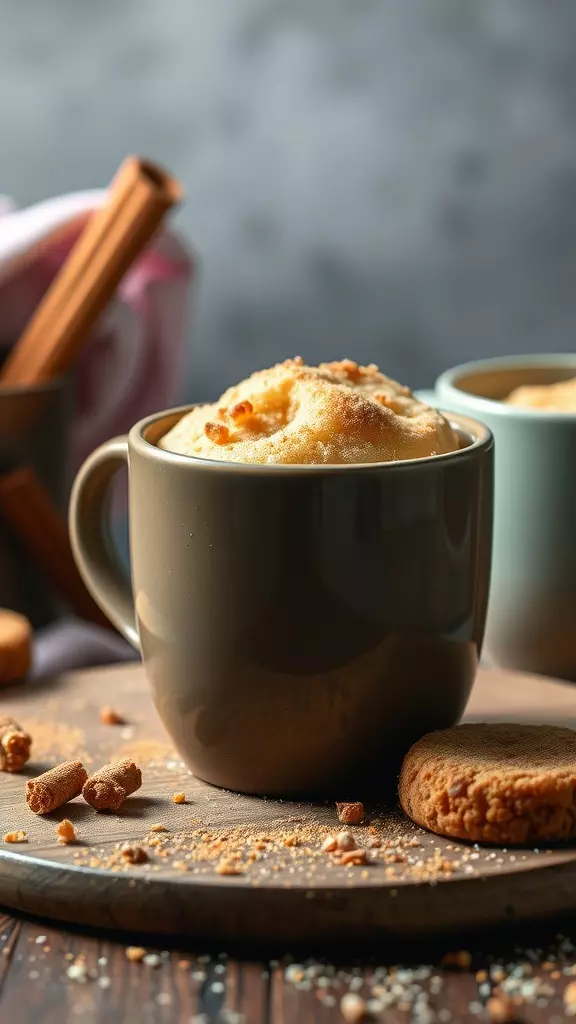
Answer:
[(300, 626), (532, 609)]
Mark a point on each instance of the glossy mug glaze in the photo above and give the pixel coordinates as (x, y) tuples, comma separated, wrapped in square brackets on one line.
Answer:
[(300, 626), (532, 609)]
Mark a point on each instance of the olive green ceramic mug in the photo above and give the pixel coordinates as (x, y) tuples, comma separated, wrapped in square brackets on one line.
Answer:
[(300, 626), (532, 609)]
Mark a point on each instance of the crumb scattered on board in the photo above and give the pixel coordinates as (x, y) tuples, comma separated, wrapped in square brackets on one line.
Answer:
[(296, 849), (66, 832), (109, 716), (18, 836)]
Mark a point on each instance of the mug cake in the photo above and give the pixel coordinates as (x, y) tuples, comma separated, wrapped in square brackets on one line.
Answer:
[(336, 412), (560, 397)]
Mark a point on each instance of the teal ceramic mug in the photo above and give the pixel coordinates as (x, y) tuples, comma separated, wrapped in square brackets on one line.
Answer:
[(531, 622)]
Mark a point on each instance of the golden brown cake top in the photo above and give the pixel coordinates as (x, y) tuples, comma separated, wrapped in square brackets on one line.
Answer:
[(559, 397), (336, 412)]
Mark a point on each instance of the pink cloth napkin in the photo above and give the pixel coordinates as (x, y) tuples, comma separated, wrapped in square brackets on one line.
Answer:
[(133, 364)]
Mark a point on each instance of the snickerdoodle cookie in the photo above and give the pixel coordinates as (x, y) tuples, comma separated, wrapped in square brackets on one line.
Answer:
[(333, 413), (501, 783)]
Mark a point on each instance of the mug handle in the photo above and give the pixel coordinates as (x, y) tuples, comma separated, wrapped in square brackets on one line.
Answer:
[(91, 539)]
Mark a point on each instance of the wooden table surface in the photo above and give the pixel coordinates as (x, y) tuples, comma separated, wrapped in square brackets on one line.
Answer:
[(40, 967), (60, 974)]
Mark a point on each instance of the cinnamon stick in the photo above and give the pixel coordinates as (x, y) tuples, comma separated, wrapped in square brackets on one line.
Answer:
[(108, 788), (140, 196), (28, 509), (55, 787)]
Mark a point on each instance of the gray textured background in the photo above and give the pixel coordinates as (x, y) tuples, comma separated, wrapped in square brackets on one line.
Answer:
[(386, 180)]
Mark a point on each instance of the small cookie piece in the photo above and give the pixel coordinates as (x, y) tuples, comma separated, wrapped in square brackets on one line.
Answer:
[(350, 813), (15, 646), (501, 783), (66, 832), (108, 716)]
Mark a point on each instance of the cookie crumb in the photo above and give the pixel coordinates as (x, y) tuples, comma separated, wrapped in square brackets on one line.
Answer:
[(15, 837), (108, 716), (353, 857), (345, 841), (178, 798), (135, 954), (134, 854), (65, 831), (351, 813), (158, 828), (228, 867)]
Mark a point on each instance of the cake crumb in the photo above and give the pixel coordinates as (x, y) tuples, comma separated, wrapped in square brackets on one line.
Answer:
[(134, 854), (353, 857), (135, 954), (108, 716), (178, 798), (228, 867), (18, 836), (351, 813), (65, 831), (158, 828), (345, 841)]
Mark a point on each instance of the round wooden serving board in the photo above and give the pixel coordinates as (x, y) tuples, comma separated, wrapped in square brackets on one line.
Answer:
[(288, 891)]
